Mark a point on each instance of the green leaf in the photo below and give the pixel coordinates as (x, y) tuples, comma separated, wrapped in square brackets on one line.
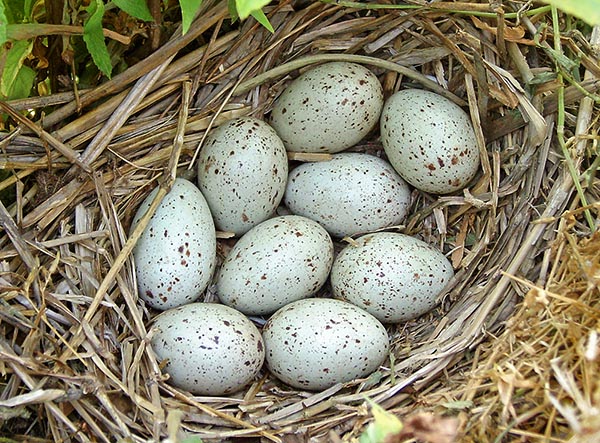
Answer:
[(586, 10), (94, 38), (21, 87), (188, 12), (245, 8), (383, 425), (135, 8), (14, 62), (3, 24), (262, 19), (28, 8), (232, 10), (13, 10)]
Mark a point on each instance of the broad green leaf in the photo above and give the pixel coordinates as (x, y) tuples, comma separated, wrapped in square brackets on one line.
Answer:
[(21, 87), (383, 425), (13, 64), (586, 10), (262, 19), (245, 8), (192, 439), (135, 8), (94, 38), (3, 23), (188, 12)]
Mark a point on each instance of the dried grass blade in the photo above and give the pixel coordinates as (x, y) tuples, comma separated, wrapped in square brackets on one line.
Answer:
[(69, 154)]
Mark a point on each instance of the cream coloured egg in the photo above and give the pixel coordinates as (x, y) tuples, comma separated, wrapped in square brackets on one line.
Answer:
[(351, 193), (329, 108), (393, 276), (317, 342), (429, 140), (176, 254), (281, 260), (209, 349), (242, 171)]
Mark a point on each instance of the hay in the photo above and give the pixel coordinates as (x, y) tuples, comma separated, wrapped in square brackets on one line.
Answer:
[(75, 360)]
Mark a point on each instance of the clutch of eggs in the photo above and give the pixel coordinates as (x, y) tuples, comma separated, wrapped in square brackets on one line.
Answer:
[(279, 263)]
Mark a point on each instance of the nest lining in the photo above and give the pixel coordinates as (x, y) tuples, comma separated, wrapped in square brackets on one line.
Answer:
[(74, 340)]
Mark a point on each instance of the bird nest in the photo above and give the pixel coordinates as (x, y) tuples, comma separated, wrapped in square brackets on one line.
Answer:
[(510, 348)]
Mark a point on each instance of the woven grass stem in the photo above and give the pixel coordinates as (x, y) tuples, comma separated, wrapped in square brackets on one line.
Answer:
[(320, 58)]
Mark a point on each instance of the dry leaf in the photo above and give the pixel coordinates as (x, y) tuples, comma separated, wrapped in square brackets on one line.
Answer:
[(428, 428), (511, 34)]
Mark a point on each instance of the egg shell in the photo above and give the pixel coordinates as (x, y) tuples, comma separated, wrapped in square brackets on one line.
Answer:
[(317, 342), (279, 261), (429, 140), (176, 254), (329, 108), (242, 171), (393, 276), (211, 349), (352, 193)]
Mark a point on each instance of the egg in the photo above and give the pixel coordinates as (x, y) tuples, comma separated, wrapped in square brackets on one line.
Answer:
[(242, 171), (209, 349), (176, 254), (317, 342), (429, 140), (281, 260), (329, 108), (352, 193), (393, 276)]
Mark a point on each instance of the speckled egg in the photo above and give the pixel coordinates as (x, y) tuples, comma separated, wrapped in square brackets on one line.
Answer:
[(393, 276), (429, 140), (352, 193), (281, 260), (210, 349), (329, 108), (317, 342), (176, 254), (242, 171)]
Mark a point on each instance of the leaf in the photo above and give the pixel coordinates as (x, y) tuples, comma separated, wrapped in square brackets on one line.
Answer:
[(3, 23), (189, 8), (232, 10), (13, 10), (135, 8), (94, 38), (21, 87), (245, 8), (28, 8), (586, 10), (14, 62), (383, 425), (428, 428), (262, 19)]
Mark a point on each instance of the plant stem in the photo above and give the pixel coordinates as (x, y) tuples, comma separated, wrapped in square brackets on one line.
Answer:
[(560, 125), (434, 7), (373, 61)]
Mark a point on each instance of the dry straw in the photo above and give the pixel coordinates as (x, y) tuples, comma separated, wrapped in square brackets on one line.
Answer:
[(511, 350)]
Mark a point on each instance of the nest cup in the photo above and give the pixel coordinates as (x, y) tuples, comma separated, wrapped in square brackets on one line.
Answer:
[(76, 362)]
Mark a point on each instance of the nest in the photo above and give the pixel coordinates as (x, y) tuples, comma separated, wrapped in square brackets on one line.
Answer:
[(510, 349)]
